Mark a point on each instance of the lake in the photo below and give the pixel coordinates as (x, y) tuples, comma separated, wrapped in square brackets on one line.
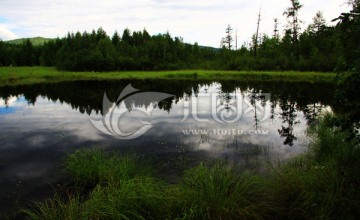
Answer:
[(246, 123)]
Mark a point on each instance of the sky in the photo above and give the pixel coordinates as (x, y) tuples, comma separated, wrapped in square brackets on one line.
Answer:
[(202, 21)]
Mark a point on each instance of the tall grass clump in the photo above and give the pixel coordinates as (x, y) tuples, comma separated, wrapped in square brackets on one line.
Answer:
[(131, 199), (89, 167), (56, 208), (324, 183), (143, 198), (112, 186), (123, 187), (219, 192)]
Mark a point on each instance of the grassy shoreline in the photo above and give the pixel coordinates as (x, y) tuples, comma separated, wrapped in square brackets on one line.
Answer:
[(30, 75)]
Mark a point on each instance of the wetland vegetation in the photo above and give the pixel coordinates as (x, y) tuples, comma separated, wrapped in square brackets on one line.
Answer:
[(31, 75)]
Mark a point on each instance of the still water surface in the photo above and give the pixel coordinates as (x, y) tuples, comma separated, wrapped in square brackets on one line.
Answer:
[(40, 123)]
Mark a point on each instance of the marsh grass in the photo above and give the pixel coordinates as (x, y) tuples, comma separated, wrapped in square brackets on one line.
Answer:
[(141, 198), (107, 186), (124, 187), (220, 192), (31, 75), (324, 183), (56, 208), (90, 167), (320, 184)]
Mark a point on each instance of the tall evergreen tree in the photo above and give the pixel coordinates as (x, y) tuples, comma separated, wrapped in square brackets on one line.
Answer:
[(292, 14), (319, 23), (228, 39), (115, 38)]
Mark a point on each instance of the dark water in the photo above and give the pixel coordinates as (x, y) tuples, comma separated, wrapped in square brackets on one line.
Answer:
[(39, 123)]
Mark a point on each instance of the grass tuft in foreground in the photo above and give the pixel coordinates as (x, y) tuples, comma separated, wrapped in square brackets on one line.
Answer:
[(108, 186), (122, 187), (56, 208), (220, 192), (324, 183), (91, 167)]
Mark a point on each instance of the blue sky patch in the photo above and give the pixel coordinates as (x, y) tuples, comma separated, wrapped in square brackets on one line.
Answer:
[(7, 110)]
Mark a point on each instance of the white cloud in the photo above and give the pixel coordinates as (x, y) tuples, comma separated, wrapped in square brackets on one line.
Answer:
[(203, 21), (9, 102), (6, 34)]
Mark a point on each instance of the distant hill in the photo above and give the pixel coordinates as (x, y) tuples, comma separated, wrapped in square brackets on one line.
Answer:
[(34, 40), (205, 47), (41, 40)]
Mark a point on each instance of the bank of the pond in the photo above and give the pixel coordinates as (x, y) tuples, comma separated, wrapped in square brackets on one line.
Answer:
[(322, 184), (31, 75)]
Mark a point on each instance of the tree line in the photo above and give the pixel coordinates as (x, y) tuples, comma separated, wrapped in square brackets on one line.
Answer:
[(96, 51), (320, 47)]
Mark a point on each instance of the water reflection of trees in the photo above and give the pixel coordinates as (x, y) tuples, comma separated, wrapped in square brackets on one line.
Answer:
[(288, 115), (290, 98), (312, 111), (87, 96), (257, 100)]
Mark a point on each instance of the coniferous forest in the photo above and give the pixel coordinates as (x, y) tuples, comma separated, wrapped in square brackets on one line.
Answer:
[(322, 46)]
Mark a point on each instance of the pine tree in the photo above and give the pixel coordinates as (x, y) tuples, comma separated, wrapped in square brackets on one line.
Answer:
[(228, 39)]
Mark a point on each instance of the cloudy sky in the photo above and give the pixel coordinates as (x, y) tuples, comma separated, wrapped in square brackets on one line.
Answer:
[(202, 21)]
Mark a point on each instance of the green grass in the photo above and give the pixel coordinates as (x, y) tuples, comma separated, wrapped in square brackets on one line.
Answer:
[(107, 186), (324, 183), (56, 208), (112, 186), (95, 166), (31, 75), (321, 184), (219, 192)]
